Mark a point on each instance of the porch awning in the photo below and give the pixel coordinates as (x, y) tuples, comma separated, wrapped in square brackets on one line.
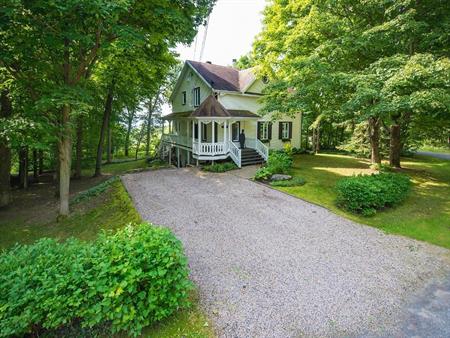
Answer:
[(175, 115), (212, 108)]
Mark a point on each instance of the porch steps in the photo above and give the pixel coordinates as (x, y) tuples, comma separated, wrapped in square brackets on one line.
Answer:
[(250, 156)]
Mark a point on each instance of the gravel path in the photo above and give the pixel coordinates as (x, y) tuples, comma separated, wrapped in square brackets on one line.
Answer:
[(271, 265)]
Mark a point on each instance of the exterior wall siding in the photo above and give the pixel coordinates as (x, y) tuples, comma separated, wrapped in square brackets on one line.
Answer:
[(188, 84)]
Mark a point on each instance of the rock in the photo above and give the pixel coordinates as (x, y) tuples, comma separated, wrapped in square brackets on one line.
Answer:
[(280, 177)]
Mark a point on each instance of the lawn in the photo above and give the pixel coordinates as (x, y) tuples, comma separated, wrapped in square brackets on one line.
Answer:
[(112, 209), (443, 149), (425, 215)]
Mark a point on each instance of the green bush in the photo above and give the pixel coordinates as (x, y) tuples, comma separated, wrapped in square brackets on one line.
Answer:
[(294, 182), (124, 281), (263, 173), (365, 194), (220, 167), (279, 162)]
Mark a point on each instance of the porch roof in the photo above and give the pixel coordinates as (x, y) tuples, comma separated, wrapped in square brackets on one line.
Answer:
[(210, 107)]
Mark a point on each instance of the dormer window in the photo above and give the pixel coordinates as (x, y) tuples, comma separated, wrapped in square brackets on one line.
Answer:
[(265, 79), (183, 98), (196, 96)]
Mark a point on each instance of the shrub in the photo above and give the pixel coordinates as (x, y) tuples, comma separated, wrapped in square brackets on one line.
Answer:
[(294, 182), (125, 281), (220, 167), (366, 194), (279, 162), (263, 173)]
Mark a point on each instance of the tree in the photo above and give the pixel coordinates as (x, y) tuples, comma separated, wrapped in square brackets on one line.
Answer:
[(338, 60), (65, 39)]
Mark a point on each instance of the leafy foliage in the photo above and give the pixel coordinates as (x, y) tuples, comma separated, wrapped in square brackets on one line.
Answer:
[(366, 194), (128, 280), (294, 182), (279, 162), (94, 191), (220, 167)]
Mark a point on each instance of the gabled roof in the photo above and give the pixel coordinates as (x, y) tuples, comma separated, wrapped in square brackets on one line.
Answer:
[(223, 77), (210, 107)]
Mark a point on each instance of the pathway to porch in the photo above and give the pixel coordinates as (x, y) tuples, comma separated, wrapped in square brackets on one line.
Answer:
[(271, 265)]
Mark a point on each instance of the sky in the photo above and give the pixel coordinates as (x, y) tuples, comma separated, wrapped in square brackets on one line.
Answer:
[(233, 25)]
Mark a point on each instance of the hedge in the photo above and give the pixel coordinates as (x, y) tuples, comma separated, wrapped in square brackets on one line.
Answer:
[(125, 281), (365, 194)]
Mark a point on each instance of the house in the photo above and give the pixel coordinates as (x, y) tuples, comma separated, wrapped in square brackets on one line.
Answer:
[(211, 105)]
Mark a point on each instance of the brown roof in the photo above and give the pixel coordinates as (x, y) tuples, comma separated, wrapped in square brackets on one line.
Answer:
[(210, 107), (222, 77), (179, 114)]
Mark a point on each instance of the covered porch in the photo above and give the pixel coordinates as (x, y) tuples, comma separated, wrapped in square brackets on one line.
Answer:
[(212, 133)]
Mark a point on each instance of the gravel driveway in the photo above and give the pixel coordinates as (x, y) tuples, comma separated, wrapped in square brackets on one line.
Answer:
[(271, 265)]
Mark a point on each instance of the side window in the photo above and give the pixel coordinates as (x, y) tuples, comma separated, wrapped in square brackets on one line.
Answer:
[(183, 98), (264, 131), (285, 130), (196, 96)]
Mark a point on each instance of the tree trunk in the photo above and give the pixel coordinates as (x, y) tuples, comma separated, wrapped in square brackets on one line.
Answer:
[(56, 172), (109, 144), (65, 161), (394, 145), (23, 167), (41, 161), (141, 135), (374, 137), (105, 122), (127, 137), (149, 132), (79, 148), (5, 153), (35, 164)]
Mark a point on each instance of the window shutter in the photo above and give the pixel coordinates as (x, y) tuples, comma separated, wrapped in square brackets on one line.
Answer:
[(269, 133), (259, 130), (290, 130), (280, 130)]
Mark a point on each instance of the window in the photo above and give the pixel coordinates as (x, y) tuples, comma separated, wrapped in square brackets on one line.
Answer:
[(195, 130), (285, 130), (264, 131), (196, 96), (235, 128), (204, 132), (183, 98)]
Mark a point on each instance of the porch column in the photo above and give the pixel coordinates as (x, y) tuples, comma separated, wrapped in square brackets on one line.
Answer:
[(199, 137), (213, 124), (225, 131)]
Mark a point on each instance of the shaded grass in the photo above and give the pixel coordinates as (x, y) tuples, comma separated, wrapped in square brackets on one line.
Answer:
[(424, 215), (123, 166)]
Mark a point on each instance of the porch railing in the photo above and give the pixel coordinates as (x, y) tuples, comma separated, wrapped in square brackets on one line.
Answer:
[(260, 147), (211, 149), (235, 153)]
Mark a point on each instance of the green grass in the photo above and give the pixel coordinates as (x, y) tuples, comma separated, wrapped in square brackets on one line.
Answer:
[(124, 166), (443, 149), (424, 215), (110, 210)]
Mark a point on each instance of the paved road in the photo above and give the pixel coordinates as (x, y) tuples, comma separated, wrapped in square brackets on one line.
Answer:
[(271, 265), (443, 156)]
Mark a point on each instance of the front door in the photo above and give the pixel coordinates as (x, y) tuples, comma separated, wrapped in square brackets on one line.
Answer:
[(235, 129)]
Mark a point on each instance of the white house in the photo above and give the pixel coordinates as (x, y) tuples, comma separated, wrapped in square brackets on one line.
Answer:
[(211, 105)]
